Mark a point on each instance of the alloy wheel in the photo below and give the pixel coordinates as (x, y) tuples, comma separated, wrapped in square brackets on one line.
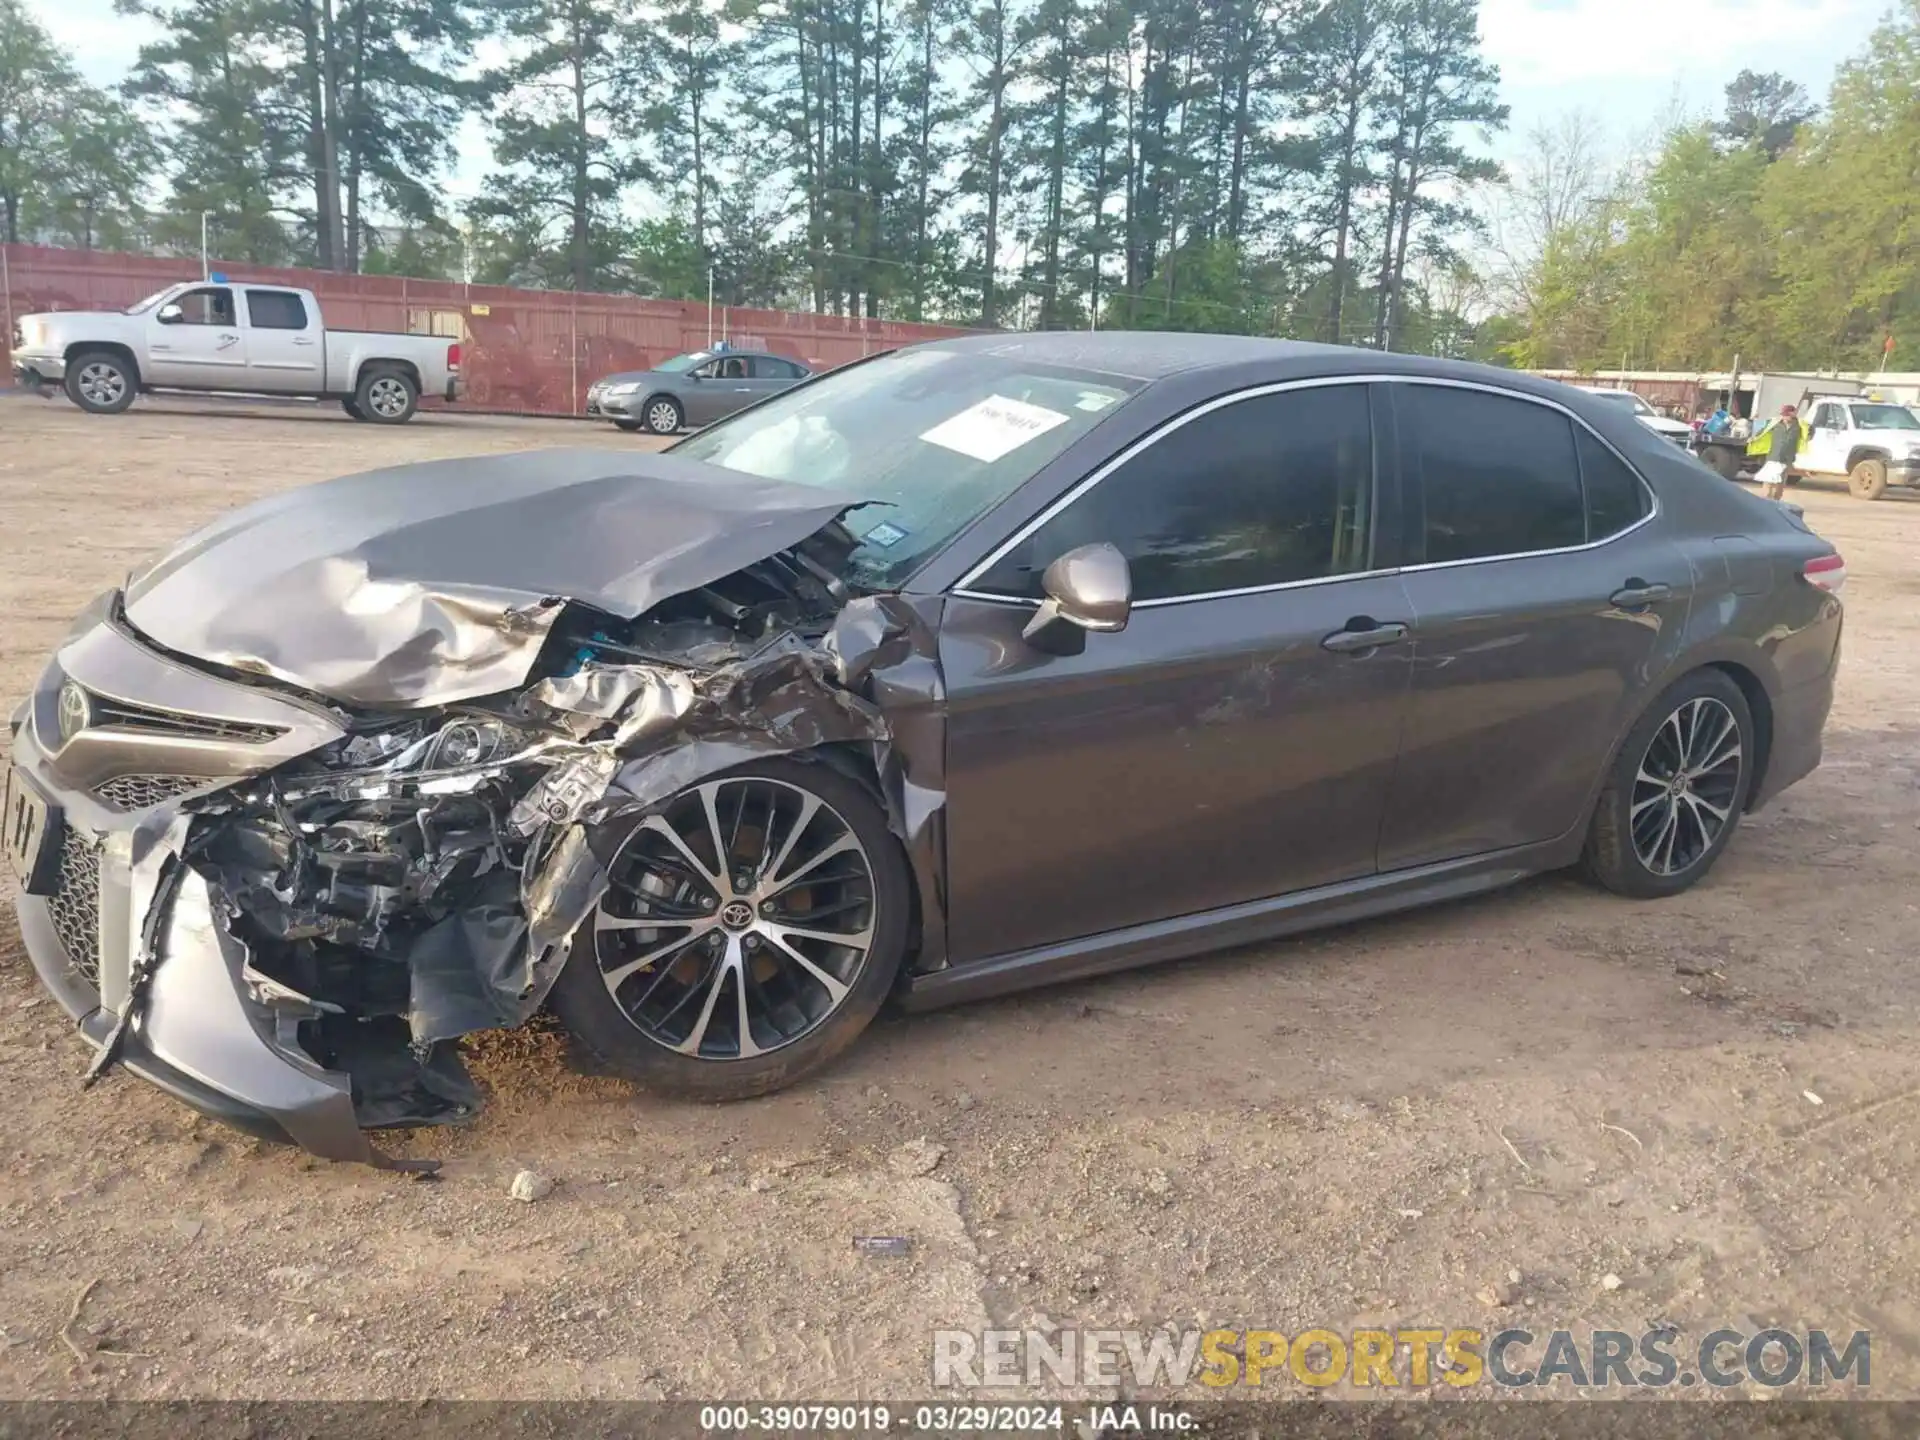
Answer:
[(1685, 789), (663, 419), (737, 920), (388, 397), (102, 384)]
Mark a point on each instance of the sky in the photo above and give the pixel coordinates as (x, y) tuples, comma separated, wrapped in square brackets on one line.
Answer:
[(1630, 62)]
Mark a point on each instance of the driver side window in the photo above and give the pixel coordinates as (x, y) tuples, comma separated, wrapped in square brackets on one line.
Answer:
[(206, 307), (1263, 491)]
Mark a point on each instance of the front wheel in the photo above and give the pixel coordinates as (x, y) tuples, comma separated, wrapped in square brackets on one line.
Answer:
[(1676, 791), (385, 397), (753, 926), (1868, 479), (100, 382), (352, 407), (664, 415)]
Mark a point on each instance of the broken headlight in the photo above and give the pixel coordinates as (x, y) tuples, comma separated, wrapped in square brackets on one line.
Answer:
[(458, 743)]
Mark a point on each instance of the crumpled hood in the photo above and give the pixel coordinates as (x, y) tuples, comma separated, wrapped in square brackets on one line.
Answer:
[(429, 583)]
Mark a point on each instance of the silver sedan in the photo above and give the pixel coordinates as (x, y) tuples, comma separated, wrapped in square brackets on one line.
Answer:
[(695, 389)]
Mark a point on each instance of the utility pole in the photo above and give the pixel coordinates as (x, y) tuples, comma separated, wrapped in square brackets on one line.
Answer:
[(204, 271)]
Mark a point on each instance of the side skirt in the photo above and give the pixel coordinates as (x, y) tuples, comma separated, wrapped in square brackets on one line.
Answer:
[(1242, 924)]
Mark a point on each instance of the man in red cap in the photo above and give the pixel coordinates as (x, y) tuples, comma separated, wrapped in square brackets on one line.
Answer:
[(1783, 450)]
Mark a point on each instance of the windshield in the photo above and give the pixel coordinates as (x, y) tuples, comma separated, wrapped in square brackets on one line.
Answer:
[(148, 303), (1884, 417), (939, 435), (1621, 397), (683, 362)]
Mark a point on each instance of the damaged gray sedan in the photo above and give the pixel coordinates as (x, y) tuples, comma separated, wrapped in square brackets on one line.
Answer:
[(966, 668)]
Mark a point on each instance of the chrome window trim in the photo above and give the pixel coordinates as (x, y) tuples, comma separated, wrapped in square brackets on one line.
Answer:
[(992, 598), (964, 587)]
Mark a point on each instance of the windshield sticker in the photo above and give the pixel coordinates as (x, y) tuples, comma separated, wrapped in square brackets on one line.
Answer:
[(996, 426), (885, 535), (1092, 400)]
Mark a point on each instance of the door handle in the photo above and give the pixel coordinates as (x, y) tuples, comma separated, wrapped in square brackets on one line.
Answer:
[(1638, 594), (303, 339), (1364, 634)]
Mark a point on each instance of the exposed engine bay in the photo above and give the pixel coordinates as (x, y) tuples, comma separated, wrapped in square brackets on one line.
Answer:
[(421, 875)]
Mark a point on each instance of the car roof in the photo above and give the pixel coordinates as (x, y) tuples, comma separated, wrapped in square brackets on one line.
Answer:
[(1149, 355)]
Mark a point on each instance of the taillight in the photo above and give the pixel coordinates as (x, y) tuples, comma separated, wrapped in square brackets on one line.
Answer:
[(1828, 573), (453, 358)]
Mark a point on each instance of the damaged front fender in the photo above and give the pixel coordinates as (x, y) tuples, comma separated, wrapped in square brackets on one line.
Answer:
[(366, 906)]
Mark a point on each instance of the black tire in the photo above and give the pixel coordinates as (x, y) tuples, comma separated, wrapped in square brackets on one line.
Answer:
[(386, 395), (627, 425), (1613, 855), (1868, 479), (1722, 461), (101, 382), (664, 415), (609, 1042), (352, 407)]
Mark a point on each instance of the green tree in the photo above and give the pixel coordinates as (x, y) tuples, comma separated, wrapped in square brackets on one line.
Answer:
[(567, 101), (35, 77), (1764, 110), (1437, 83), (100, 159), (234, 151)]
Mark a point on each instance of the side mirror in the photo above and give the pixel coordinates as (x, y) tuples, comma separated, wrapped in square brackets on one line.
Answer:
[(1088, 589), (170, 314)]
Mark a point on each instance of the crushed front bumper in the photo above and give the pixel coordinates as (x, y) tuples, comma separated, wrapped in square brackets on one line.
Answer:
[(197, 1032)]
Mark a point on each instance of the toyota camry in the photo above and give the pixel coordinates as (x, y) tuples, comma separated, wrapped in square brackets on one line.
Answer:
[(990, 663)]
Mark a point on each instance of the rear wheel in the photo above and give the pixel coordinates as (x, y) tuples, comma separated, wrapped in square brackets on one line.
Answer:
[(1868, 479), (1721, 461), (753, 927), (100, 382), (385, 396), (1676, 790), (664, 415)]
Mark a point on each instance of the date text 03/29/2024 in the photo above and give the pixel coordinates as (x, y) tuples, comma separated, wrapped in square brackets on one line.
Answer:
[(948, 1419)]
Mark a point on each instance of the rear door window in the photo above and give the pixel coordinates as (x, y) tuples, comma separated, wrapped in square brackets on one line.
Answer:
[(1498, 475), (276, 310)]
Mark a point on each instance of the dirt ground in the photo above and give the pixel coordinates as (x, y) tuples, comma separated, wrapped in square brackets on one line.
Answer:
[(1374, 1126)]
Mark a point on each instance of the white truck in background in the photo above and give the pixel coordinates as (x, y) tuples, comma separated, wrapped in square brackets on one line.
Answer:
[(215, 337), (1868, 443), (1862, 439)]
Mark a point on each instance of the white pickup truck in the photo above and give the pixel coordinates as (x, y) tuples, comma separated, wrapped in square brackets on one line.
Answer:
[(1868, 443), (237, 338)]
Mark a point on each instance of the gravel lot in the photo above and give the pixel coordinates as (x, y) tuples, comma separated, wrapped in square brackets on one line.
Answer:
[(1374, 1126)]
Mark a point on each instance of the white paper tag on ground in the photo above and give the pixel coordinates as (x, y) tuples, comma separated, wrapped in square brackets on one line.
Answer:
[(994, 427)]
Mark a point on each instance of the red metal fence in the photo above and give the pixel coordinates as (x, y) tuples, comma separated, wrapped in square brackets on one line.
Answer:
[(528, 352)]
